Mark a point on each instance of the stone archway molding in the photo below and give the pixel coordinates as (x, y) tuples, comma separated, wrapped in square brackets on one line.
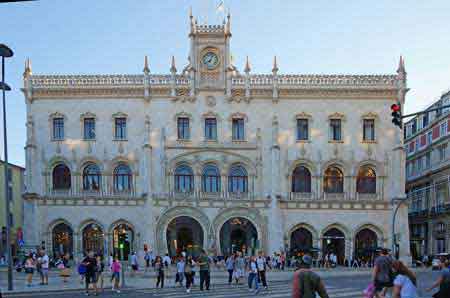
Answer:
[(172, 213)]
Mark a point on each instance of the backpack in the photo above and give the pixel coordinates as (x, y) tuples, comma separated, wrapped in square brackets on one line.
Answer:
[(309, 284)]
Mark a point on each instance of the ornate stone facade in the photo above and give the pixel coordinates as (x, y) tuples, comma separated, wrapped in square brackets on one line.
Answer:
[(252, 141)]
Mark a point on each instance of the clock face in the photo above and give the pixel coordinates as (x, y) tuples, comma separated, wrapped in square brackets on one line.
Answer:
[(210, 60)]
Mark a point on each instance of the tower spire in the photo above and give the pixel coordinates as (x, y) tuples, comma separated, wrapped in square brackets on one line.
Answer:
[(27, 71), (275, 65), (401, 66), (247, 66), (173, 68), (228, 25), (146, 68)]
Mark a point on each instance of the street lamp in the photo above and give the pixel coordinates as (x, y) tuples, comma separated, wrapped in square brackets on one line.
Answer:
[(399, 201), (6, 52)]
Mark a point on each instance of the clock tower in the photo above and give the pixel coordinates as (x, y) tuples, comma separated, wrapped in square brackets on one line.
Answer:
[(209, 54)]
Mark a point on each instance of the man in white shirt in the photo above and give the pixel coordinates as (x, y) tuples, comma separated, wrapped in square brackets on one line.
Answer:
[(44, 262), (261, 264)]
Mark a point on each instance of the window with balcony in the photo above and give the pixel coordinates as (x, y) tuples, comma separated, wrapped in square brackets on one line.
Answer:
[(442, 152), (238, 129), (335, 130), (122, 178), (369, 130), (443, 129), (333, 180), (58, 128), (429, 137), (183, 128), (184, 179), (61, 177), (301, 180), (89, 128), (211, 178), (366, 182), (91, 178), (237, 179), (302, 130), (211, 129), (120, 131)]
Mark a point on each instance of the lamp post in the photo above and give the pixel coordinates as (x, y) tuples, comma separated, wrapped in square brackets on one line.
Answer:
[(399, 201), (6, 52)]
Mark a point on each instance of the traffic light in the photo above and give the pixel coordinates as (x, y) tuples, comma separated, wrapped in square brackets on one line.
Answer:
[(396, 115)]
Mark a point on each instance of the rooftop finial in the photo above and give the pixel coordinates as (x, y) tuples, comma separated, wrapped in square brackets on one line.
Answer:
[(173, 69), (228, 25), (247, 66), (275, 65), (146, 68), (190, 12), (27, 71), (401, 65)]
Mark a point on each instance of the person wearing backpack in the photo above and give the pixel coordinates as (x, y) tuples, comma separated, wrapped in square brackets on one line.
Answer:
[(307, 283), (443, 282), (261, 265), (382, 274)]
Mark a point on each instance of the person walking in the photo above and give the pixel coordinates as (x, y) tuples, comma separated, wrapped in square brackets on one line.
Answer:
[(116, 267), (134, 264), (382, 275), (147, 261), (110, 262), (100, 269), (443, 282), (253, 274), (203, 262), (159, 268), (239, 268), (188, 273), (91, 271), (306, 283), (65, 268), (30, 266), (405, 283), (180, 271), (43, 261), (229, 264), (261, 266)]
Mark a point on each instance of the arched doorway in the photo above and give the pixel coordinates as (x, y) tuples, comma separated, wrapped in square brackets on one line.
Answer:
[(366, 242), (184, 234), (334, 242), (123, 239), (301, 241), (62, 238), (93, 238), (238, 234)]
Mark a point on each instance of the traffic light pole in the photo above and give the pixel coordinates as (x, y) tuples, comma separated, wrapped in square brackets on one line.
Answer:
[(425, 112)]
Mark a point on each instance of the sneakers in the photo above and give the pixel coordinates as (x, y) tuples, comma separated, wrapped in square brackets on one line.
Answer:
[(118, 291), (188, 291)]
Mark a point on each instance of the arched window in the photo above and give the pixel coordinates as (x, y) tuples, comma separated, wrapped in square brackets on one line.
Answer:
[(184, 179), (301, 179), (238, 179), (366, 182), (61, 177), (333, 180), (122, 178), (91, 177), (211, 178)]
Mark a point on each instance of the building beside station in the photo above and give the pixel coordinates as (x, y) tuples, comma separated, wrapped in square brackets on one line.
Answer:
[(427, 179), (209, 156)]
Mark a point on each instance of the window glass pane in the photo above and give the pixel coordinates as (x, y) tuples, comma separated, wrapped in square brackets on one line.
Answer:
[(121, 128), (91, 177), (58, 128), (183, 128), (89, 128), (184, 179), (369, 130), (238, 129), (211, 179), (302, 129), (301, 180), (122, 178), (335, 130), (238, 180), (210, 129), (333, 180)]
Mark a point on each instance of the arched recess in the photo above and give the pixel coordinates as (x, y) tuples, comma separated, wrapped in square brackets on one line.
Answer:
[(338, 226), (118, 160), (305, 226), (253, 215), (116, 236), (55, 160), (335, 239), (50, 230), (172, 213), (81, 227), (378, 231), (88, 160)]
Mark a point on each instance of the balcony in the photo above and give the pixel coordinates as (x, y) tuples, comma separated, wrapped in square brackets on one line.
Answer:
[(205, 196), (345, 196), (84, 194)]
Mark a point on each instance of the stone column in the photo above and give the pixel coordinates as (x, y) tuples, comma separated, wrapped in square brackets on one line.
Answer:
[(146, 160), (275, 228)]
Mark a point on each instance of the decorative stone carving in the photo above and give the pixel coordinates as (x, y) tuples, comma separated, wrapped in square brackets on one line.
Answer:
[(210, 101), (121, 149)]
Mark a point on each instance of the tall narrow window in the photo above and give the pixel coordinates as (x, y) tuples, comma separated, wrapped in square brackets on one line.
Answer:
[(184, 179), (238, 180), (61, 177), (89, 128), (301, 180), (238, 129), (333, 180), (302, 129), (183, 128), (91, 177), (211, 179), (211, 129), (122, 178), (369, 130), (335, 130), (366, 181), (58, 128), (120, 128)]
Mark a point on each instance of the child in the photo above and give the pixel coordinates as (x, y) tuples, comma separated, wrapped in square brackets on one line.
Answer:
[(116, 267)]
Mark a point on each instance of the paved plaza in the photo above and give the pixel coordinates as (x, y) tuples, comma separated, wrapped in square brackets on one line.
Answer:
[(342, 283)]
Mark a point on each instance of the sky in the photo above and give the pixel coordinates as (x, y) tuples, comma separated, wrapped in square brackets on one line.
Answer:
[(312, 37)]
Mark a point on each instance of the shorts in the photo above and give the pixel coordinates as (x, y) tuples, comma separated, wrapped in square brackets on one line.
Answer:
[(134, 267), (90, 278), (238, 273), (44, 272), (115, 276), (380, 285)]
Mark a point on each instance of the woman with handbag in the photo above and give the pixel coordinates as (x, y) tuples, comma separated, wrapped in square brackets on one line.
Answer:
[(443, 282), (30, 265)]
